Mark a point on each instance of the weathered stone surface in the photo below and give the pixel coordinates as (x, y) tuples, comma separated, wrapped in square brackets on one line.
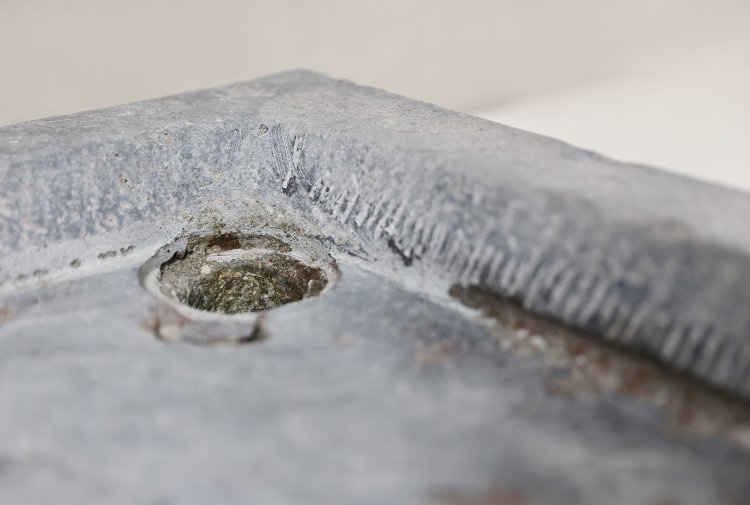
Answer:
[(384, 389)]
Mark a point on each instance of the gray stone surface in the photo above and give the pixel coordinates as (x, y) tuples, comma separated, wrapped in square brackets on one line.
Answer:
[(384, 389)]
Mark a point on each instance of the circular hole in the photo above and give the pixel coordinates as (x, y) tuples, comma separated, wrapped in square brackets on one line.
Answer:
[(237, 273)]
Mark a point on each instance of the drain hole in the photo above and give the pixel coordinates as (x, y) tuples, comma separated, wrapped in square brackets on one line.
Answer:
[(239, 273), (253, 284)]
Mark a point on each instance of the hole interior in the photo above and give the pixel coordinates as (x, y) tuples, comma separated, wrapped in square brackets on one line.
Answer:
[(236, 273)]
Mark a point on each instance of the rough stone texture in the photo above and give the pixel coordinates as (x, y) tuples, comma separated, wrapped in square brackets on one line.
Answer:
[(237, 274), (384, 389)]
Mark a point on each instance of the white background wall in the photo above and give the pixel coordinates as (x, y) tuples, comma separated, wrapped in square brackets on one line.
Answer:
[(690, 115)]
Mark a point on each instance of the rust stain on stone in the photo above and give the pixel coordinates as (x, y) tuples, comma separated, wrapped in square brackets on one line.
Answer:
[(225, 241), (436, 352), (590, 367), (496, 495), (7, 312)]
